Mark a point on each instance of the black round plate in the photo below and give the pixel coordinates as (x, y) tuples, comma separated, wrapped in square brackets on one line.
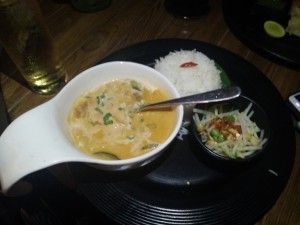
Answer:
[(246, 18), (180, 188)]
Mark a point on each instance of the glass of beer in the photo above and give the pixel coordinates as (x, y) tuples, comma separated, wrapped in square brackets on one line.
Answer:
[(27, 41)]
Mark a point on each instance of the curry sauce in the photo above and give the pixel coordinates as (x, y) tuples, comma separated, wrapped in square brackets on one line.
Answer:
[(106, 123)]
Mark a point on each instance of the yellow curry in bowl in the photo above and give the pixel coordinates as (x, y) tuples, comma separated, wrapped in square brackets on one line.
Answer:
[(105, 122)]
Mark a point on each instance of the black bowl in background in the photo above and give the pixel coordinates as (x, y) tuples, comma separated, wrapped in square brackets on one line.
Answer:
[(226, 163)]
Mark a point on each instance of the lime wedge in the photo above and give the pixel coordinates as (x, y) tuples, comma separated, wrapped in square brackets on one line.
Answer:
[(274, 29)]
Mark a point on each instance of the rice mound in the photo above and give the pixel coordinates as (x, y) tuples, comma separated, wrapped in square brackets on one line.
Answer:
[(192, 80)]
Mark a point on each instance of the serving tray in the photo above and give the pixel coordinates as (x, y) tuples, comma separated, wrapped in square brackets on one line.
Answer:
[(181, 187)]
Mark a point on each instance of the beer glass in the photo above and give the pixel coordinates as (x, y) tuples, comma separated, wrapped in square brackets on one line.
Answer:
[(27, 41)]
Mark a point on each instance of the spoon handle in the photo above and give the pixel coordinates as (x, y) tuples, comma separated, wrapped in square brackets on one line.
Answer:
[(218, 95)]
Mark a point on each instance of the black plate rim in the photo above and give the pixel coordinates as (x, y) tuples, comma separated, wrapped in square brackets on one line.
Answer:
[(265, 80)]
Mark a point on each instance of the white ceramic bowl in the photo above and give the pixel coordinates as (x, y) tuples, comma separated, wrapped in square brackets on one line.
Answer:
[(39, 138)]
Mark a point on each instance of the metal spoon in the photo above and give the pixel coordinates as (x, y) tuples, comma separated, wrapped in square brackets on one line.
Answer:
[(218, 95)]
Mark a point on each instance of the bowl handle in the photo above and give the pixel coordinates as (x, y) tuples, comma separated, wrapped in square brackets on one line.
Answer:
[(32, 142)]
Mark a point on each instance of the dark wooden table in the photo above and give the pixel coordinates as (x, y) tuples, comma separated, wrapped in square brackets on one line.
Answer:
[(86, 38)]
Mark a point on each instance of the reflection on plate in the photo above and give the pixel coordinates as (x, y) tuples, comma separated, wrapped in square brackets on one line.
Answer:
[(181, 188), (246, 20)]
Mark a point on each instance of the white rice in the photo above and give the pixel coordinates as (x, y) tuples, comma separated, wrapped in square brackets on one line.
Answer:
[(191, 80)]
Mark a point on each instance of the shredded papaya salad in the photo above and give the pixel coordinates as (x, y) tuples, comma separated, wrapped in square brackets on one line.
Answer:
[(232, 134)]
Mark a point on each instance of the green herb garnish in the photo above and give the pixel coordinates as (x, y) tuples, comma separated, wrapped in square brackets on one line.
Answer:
[(131, 137), (100, 100), (107, 119), (99, 110), (135, 85)]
